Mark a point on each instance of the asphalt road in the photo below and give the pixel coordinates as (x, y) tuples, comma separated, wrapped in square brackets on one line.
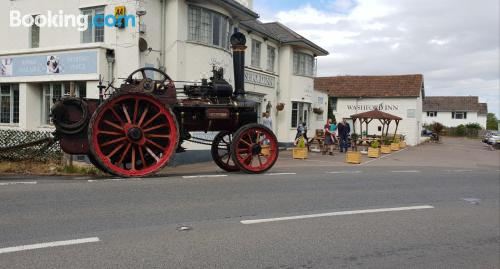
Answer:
[(197, 221)]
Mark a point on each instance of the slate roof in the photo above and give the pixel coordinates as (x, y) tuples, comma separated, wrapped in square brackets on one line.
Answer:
[(375, 114), (451, 103), (483, 109), (283, 34), (371, 86)]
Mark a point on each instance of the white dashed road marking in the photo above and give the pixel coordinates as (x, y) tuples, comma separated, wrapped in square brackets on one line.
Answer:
[(405, 171), (204, 176), (50, 245), (340, 213), (458, 171), (18, 183), (345, 172), (279, 174)]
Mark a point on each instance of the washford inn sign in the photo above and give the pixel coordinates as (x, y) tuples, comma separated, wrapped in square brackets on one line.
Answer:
[(259, 79), (381, 107)]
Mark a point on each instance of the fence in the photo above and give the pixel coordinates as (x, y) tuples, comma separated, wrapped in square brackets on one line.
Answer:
[(9, 138), (458, 131)]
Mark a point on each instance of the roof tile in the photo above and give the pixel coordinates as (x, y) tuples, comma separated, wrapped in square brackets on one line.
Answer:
[(371, 86)]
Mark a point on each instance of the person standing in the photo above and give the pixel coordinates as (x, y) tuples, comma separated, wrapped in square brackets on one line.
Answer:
[(343, 129), (329, 140), (267, 121)]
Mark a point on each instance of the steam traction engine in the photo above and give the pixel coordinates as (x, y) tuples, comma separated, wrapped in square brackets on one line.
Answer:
[(138, 128)]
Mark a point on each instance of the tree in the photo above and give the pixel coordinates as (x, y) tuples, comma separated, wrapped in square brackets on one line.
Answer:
[(491, 122)]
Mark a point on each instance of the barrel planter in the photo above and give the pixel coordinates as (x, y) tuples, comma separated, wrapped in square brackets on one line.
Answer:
[(395, 146), (353, 157), (402, 144), (299, 153), (373, 152), (265, 150), (385, 149)]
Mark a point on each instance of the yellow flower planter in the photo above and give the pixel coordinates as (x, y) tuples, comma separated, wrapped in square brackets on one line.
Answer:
[(353, 157), (373, 152), (385, 149), (402, 144), (265, 151), (299, 153), (395, 147)]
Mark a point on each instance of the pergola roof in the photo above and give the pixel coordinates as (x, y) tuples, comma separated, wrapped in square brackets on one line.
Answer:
[(375, 114)]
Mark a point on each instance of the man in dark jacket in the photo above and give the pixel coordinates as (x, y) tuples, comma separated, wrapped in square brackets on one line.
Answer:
[(344, 129)]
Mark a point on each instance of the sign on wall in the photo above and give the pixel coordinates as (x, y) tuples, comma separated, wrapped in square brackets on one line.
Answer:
[(381, 106), (70, 63), (259, 79)]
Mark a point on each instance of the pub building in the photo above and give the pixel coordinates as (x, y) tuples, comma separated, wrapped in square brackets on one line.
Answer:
[(399, 95), (183, 38)]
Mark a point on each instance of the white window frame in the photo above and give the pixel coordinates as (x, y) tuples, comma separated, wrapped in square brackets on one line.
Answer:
[(12, 101), (431, 114), (256, 53), (202, 27), (48, 96), (34, 32), (302, 111), (271, 58), (93, 11), (462, 113), (303, 64)]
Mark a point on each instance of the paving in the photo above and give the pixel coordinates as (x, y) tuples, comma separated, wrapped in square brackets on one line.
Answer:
[(403, 211)]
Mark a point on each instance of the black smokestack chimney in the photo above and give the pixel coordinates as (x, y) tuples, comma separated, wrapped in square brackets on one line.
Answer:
[(238, 42)]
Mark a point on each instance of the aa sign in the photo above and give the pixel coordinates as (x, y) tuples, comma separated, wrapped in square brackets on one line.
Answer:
[(120, 12)]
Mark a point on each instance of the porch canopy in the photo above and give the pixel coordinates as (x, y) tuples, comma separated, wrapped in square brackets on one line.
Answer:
[(384, 118)]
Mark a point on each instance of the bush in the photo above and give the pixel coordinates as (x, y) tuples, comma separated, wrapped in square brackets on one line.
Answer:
[(437, 128), (375, 144), (473, 126), (460, 130)]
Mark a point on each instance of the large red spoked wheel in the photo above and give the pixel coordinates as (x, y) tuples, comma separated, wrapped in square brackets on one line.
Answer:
[(133, 135), (254, 148), (221, 152)]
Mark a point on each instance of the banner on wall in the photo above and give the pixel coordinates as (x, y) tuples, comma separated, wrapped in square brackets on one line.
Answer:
[(70, 63)]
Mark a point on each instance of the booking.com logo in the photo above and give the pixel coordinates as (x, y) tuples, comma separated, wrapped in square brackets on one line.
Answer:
[(61, 20)]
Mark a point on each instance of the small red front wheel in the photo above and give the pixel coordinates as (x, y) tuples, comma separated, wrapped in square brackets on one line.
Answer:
[(254, 148)]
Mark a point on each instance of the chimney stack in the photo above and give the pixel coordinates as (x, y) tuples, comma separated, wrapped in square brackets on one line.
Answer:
[(238, 42)]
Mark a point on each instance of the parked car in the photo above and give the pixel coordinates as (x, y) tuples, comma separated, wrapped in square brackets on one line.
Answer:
[(487, 135), (494, 139)]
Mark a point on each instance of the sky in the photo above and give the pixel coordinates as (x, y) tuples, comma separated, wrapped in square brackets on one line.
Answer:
[(453, 43)]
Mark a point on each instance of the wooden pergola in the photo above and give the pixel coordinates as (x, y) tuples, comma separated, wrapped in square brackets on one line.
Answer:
[(384, 118)]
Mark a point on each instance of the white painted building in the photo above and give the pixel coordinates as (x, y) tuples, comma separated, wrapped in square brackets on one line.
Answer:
[(397, 95), (184, 38), (452, 111)]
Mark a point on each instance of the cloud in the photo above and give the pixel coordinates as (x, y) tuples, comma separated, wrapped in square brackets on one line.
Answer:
[(454, 44)]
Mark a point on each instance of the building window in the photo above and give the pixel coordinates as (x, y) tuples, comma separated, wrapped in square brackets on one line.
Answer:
[(35, 34), (300, 113), (432, 114), (208, 27), (303, 64), (256, 45), (271, 58), (9, 103), (459, 115), (55, 91), (94, 33), (332, 103), (320, 117)]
